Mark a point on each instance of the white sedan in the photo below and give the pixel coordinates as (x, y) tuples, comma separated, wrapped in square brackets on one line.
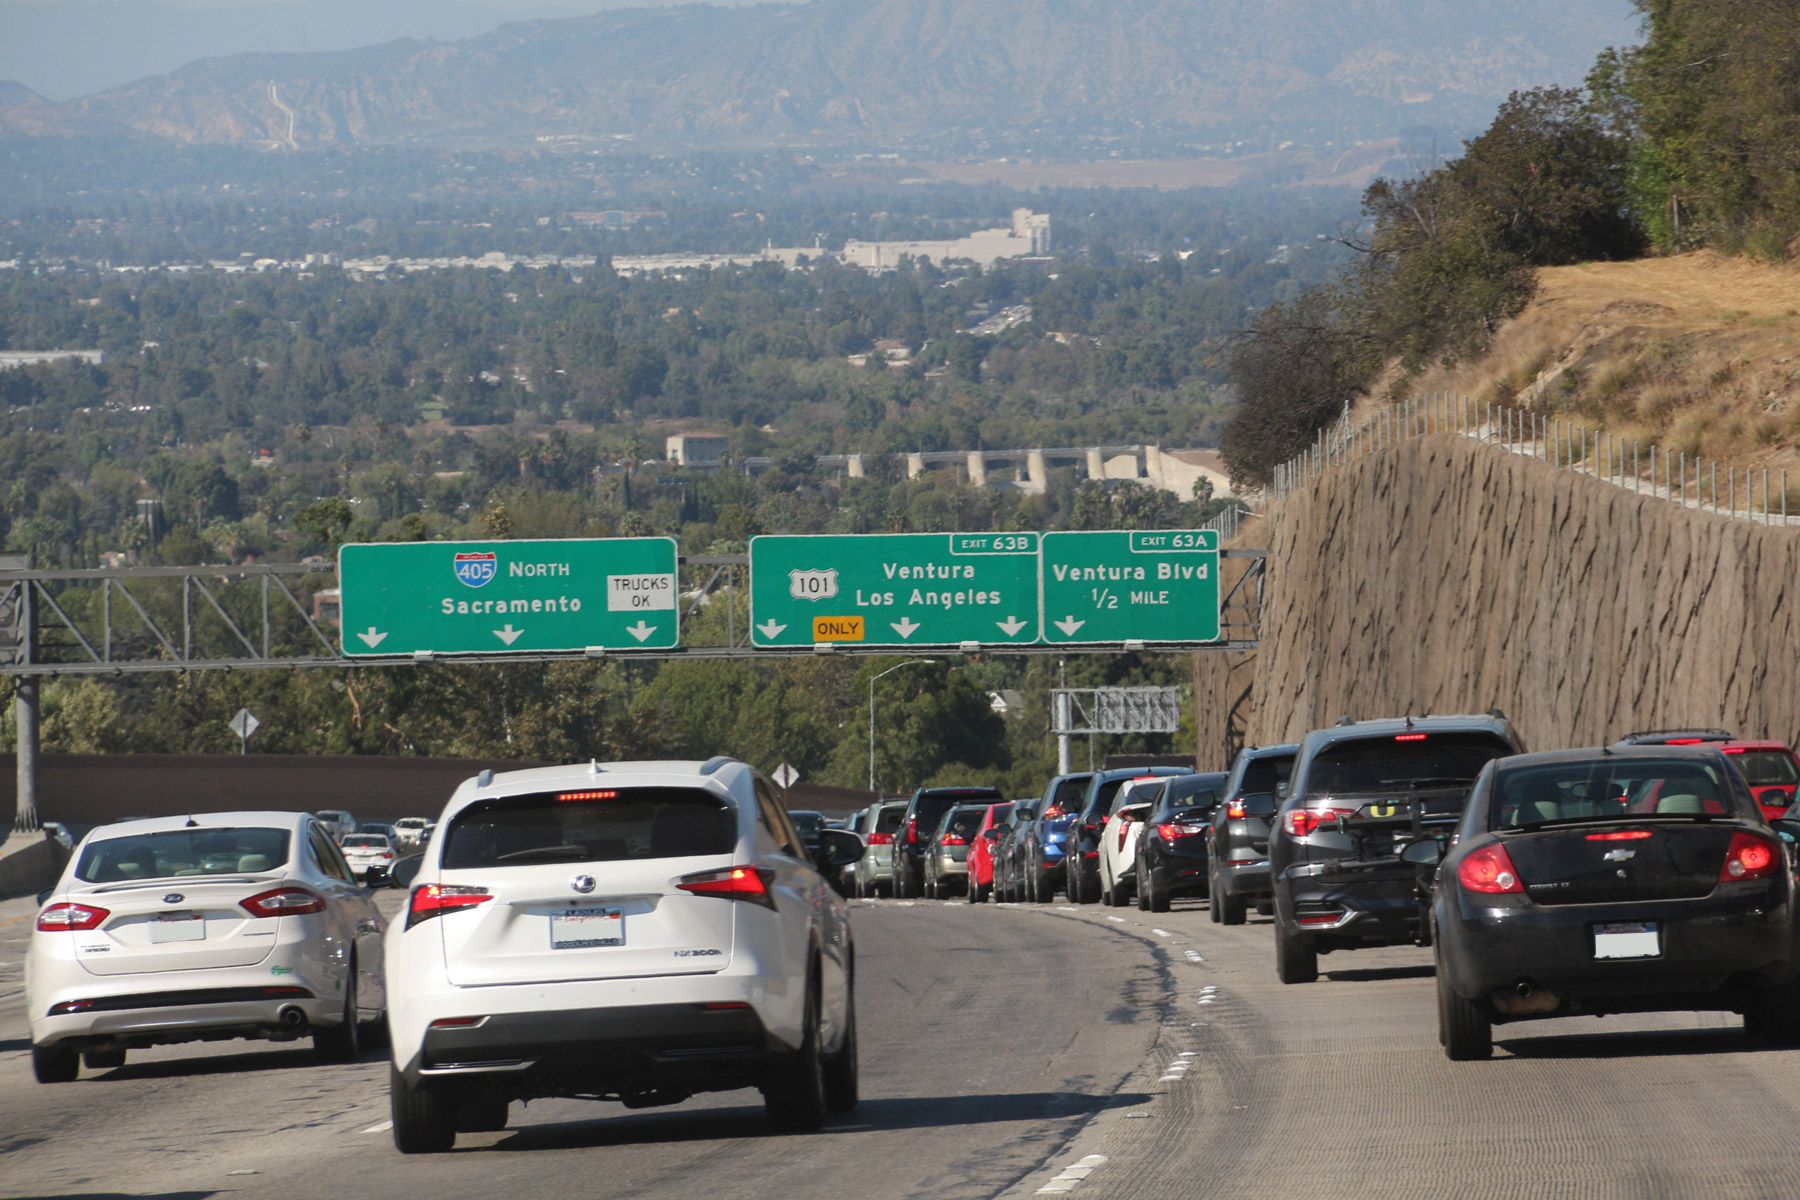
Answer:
[(365, 850), (201, 928), (1119, 839)]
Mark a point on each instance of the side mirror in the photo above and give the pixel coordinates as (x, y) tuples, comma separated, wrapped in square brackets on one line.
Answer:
[(403, 872), (992, 835), (1426, 852), (1258, 804), (45, 895), (1787, 828), (375, 877), (1281, 789), (840, 848)]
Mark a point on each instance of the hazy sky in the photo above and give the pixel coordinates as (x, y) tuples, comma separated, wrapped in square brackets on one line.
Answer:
[(67, 48)]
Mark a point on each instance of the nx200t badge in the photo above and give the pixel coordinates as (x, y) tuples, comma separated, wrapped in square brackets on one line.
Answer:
[(582, 883)]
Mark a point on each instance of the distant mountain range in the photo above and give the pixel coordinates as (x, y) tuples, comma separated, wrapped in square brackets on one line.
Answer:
[(882, 71)]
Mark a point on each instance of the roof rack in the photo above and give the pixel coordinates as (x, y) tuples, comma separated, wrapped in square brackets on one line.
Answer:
[(1720, 735)]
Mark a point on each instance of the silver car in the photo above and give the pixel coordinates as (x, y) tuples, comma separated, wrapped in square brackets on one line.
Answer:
[(875, 870), (338, 823), (202, 928)]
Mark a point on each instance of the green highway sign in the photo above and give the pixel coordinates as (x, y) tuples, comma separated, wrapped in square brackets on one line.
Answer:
[(490, 597), (1131, 585), (901, 589)]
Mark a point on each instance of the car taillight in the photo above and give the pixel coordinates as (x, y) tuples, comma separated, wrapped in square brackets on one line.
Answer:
[(1302, 821), (59, 918), (435, 899), (1124, 832), (881, 839), (283, 902), (1750, 857), (387, 854), (1171, 832), (1051, 813), (732, 883), (1235, 811), (912, 831), (1490, 871), (953, 840)]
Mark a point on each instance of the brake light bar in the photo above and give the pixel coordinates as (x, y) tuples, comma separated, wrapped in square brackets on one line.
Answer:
[(577, 797), (1727, 749), (731, 883), (1623, 835), (436, 899), (73, 918), (1409, 737), (1684, 741)]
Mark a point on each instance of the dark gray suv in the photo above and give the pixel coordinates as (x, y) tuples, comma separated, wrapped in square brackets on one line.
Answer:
[(1237, 838), (1360, 790)]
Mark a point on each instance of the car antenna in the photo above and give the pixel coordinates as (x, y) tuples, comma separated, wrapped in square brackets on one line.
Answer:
[(191, 823), (1409, 718)]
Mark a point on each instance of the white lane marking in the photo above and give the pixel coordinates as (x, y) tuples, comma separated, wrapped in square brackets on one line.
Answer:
[(1120, 920), (1073, 1174), (1190, 1054), (1162, 933), (1068, 908), (245, 1171), (381, 1128)]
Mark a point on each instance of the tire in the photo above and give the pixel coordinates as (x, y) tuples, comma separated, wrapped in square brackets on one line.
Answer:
[(1146, 893), (858, 889), (1214, 893), (1232, 910), (975, 893), (1080, 890), (1158, 898), (103, 1060), (841, 1087), (424, 1121), (1108, 897), (1775, 1016), (341, 1042), (794, 1091), (1295, 962), (1465, 1030), (928, 889), (481, 1112), (54, 1064), (1042, 889), (905, 886)]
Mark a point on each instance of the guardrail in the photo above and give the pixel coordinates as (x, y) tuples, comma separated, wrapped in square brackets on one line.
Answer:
[(1742, 493)]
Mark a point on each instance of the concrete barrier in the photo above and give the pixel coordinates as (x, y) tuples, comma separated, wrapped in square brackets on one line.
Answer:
[(29, 863)]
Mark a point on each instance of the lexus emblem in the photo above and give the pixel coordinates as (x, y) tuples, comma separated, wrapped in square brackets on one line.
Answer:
[(582, 883), (174, 898)]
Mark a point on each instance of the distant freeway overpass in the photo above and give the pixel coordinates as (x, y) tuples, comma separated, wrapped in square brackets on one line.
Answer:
[(1029, 470)]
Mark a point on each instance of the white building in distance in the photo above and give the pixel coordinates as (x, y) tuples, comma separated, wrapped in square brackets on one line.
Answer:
[(1028, 235), (697, 449), (37, 358)]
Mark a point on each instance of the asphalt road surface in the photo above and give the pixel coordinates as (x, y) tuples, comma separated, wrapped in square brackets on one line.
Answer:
[(1007, 1051)]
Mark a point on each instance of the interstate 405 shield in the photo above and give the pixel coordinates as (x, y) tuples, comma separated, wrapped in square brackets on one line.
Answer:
[(492, 597), (902, 589)]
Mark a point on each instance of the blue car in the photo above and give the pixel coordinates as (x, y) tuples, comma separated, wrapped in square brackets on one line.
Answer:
[(1035, 855)]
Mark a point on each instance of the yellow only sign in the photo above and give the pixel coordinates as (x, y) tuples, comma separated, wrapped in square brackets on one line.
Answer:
[(837, 629)]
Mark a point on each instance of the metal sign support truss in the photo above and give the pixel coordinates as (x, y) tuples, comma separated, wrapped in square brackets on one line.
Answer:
[(149, 620)]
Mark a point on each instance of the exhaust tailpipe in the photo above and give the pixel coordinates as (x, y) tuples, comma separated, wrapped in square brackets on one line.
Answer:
[(291, 1016), (1524, 989)]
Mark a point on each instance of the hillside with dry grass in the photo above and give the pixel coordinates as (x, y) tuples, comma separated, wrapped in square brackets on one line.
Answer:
[(1696, 352)]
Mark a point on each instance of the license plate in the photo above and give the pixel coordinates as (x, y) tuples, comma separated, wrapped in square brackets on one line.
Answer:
[(584, 928), (178, 927), (1635, 939)]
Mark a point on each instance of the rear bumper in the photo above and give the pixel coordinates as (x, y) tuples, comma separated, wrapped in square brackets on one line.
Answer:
[(1247, 879), (157, 1014), (631, 1050), (1367, 908), (1178, 873)]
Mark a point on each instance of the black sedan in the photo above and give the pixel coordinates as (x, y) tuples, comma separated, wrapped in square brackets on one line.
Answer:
[(1632, 879), (1171, 858)]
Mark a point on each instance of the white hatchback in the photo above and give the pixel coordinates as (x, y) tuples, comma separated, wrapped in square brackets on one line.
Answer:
[(1119, 839), (201, 928), (636, 932)]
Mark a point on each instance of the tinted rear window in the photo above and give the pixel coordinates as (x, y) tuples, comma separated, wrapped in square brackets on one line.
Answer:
[(1193, 791), (183, 852), (364, 839), (1379, 764), (888, 819), (1765, 767), (1262, 774), (964, 822), (597, 825), (1623, 789)]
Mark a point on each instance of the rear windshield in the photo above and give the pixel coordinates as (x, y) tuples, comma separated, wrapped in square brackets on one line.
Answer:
[(364, 839), (1384, 763), (964, 822), (1136, 791), (1066, 801), (1622, 789), (183, 852), (931, 809), (888, 819), (1765, 767), (810, 824), (1193, 791), (595, 825), (1262, 774)]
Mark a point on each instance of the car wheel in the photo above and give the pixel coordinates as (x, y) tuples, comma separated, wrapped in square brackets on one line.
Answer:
[(1232, 909), (1775, 1015), (1081, 891), (1465, 1030), (794, 1093), (54, 1064), (1214, 893), (481, 1112), (103, 1060), (340, 1042), (858, 889), (1145, 892), (1108, 897), (972, 893), (1158, 898), (905, 886), (841, 1088), (424, 1122), (1295, 961)]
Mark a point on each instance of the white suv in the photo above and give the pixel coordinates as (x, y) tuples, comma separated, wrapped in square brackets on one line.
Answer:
[(636, 932)]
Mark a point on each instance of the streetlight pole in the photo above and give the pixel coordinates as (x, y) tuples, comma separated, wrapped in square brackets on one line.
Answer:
[(914, 662)]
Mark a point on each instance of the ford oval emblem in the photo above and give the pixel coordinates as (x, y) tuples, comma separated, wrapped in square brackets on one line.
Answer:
[(582, 883), (174, 898)]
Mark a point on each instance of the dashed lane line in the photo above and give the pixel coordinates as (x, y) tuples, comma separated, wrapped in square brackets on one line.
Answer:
[(1072, 1175)]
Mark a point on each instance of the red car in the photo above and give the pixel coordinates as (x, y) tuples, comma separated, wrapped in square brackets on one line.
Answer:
[(981, 851), (1771, 769)]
